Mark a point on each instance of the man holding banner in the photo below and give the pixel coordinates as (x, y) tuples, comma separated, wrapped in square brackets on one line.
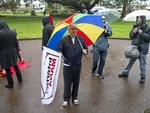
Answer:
[(72, 47)]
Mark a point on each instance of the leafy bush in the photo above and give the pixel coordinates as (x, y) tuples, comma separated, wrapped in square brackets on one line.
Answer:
[(55, 11), (64, 12), (22, 11)]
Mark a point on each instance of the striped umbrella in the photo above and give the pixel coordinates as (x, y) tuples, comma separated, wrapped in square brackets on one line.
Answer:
[(90, 27)]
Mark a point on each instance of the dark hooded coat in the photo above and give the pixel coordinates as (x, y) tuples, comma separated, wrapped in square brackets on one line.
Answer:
[(8, 46), (141, 40), (47, 30)]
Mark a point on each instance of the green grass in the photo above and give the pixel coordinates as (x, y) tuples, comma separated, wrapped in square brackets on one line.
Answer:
[(27, 27), (121, 29), (31, 27)]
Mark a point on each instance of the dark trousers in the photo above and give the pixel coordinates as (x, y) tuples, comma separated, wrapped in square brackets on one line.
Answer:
[(9, 75), (71, 82), (99, 55)]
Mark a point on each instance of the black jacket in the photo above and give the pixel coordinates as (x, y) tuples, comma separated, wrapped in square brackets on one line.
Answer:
[(9, 47), (47, 30), (72, 52), (141, 39)]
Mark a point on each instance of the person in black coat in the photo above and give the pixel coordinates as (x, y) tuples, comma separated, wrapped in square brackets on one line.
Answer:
[(9, 48), (71, 50), (47, 30)]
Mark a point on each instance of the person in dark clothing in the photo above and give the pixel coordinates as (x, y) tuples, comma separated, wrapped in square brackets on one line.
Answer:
[(72, 48), (140, 36), (47, 31), (100, 49), (9, 48), (44, 12)]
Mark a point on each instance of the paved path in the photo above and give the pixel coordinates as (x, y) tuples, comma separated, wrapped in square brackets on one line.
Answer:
[(111, 95)]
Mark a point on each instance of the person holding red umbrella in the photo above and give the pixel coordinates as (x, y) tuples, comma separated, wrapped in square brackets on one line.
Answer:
[(9, 48)]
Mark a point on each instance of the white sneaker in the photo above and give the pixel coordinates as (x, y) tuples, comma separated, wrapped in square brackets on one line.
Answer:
[(76, 102), (97, 74), (65, 103)]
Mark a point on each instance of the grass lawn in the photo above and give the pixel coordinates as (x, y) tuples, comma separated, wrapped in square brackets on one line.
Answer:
[(27, 27), (31, 27), (121, 29)]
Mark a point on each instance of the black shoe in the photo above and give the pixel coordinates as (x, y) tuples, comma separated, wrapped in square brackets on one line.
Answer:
[(9, 87), (101, 76), (93, 73), (122, 75), (20, 81), (142, 80)]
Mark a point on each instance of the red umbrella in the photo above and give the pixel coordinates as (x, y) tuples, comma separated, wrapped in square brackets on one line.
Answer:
[(21, 65)]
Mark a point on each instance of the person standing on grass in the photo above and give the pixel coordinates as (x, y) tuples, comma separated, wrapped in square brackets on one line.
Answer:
[(72, 48), (44, 12), (140, 36), (47, 31), (9, 48), (100, 48)]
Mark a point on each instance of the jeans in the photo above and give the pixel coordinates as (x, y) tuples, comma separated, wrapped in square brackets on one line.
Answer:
[(99, 54), (142, 60)]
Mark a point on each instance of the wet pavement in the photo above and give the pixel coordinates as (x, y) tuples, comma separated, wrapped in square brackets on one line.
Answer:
[(109, 95)]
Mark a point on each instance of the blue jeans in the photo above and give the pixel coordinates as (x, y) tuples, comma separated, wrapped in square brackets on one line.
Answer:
[(142, 60), (99, 54)]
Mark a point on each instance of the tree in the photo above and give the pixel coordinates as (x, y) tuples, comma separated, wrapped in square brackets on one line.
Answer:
[(77, 5), (9, 4), (124, 3)]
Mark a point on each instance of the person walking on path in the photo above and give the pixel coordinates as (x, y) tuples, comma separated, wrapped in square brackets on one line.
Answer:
[(100, 49), (9, 48), (47, 30), (140, 36), (72, 48)]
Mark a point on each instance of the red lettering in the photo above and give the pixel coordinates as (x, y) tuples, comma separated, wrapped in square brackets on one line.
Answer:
[(51, 67)]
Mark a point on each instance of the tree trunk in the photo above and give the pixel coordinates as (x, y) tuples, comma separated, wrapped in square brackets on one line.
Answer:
[(124, 10)]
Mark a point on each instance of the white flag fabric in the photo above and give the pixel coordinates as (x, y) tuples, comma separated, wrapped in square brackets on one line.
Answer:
[(51, 61)]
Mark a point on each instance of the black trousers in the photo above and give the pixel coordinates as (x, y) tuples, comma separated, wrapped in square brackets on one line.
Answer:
[(71, 82), (9, 75)]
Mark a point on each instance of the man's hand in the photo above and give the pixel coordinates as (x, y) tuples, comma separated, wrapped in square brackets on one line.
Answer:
[(135, 30), (84, 51), (105, 31), (140, 31)]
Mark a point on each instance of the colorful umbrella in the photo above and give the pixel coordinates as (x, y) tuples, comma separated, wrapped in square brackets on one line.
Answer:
[(89, 27)]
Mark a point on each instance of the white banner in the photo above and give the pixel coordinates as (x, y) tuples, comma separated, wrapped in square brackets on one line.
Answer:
[(49, 74)]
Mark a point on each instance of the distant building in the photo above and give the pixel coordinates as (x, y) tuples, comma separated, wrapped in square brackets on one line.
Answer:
[(37, 5)]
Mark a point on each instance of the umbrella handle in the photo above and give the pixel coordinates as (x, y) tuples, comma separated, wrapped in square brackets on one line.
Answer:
[(82, 48), (85, 56)]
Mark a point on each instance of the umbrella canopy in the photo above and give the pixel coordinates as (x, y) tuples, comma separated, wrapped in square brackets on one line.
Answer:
[(90, 27), (110, 14), (97, 8), (132, 16)]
